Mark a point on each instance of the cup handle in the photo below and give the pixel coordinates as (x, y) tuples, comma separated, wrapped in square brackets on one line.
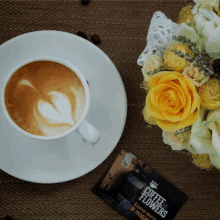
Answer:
[(88, 132)]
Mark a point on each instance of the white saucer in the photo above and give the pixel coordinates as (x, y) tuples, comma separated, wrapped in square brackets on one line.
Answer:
[(71, 157)]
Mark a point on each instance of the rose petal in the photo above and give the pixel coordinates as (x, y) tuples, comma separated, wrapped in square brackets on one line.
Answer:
[(213, 43), (201, 136), (154, 95), (155, 79), (207, 31), (200, 22), (152, 109), (190, 33), (182, 94), (174, 126), (194, 94), (195, 8)]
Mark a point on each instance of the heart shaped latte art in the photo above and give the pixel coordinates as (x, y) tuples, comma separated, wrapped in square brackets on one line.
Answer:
[(61, 113)]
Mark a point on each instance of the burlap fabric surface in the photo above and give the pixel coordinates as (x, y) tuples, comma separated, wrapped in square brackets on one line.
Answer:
[(122, 26)]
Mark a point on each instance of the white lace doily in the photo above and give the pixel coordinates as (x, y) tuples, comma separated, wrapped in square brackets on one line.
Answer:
[(161, 31)]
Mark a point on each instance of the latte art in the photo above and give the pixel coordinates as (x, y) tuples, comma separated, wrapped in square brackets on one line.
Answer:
[(45, 98)]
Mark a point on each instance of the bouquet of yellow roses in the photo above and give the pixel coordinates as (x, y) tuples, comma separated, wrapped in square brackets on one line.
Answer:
[(181, 69)]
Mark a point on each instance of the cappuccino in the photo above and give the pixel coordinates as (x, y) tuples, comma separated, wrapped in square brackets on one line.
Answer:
[(45, 98)]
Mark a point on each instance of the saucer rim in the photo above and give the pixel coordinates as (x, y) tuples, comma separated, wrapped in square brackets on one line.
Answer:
[(103, 158)]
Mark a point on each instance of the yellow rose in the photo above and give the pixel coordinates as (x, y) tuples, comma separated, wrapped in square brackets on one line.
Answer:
[(172, 100), (192, 73), (175, 62)]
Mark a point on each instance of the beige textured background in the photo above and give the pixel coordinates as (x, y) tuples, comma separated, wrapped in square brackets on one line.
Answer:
[(122, 26)]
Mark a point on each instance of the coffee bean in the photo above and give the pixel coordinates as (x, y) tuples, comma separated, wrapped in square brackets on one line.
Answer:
[(217, 69), (85, 2), (82, 34), (8, 218), (96, 39)]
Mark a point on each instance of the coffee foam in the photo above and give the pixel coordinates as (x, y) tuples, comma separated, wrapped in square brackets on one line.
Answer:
[(60, 114), (45, 98)]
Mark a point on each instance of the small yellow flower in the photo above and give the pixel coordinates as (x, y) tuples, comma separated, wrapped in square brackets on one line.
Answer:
[(202, 160), (209, 93), (175, 62), (185, 14)]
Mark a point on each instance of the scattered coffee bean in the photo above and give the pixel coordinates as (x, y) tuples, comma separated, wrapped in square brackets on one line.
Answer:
[(8, 218), (217, 69), (82, 34), (95, 39), (85, 2)]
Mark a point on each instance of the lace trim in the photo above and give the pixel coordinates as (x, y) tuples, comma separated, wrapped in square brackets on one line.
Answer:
[(161, 31)]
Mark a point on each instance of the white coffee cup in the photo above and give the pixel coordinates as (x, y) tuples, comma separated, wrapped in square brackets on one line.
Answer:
[(82, 127)]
